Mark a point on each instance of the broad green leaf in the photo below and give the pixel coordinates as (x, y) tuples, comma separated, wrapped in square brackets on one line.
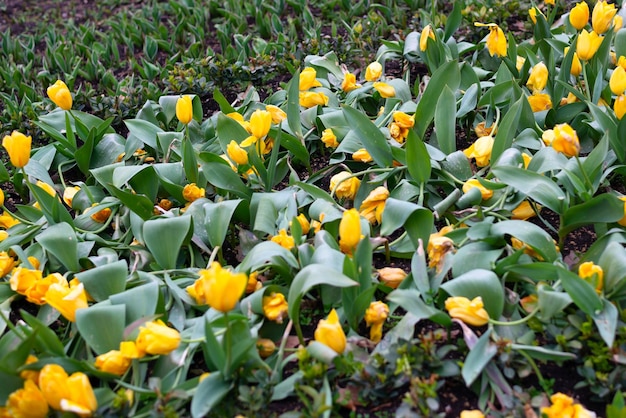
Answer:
[(139, 204), (613, 263), (144, 131), (411, 301), (102, 326), (542, 353), (47, 340), (551, 302), (60, 240), (479, 282), (225, 106), (217, 220), (219, 173), (267, 253), (538, 187), (228, 129), (208, 394), (530, 234), (606, 321), (445, 121), (475, 255), (507, 129), (479, 356), (582, 293), (106, 280), (293, 105), (417, 158), (140, 301), (165, 251), (599, 209), (416, 220), (370, 136)]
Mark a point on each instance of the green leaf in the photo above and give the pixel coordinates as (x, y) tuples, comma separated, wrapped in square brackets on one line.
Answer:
[(46, 339), (417, 158), (106, 280), (538, 187), (582, 293), (530, 234), (140, 301), (599, 209), (219, 173), (416, 220), (102, 326), (190, 163), (217, 219), (411, 301), (445, 121), (208, 394), (479, 356), (84, 153), (164, 238), (144, 131), (51, 206), (479, 282), (225, 106), (293, 106), (60, 240), (543, 354), (606, 321), (268, 253), (475, 255), (507, 128), (370, 136)]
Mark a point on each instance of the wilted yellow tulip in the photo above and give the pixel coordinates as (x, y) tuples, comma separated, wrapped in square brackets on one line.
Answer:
[(375, 316), (344, 185), (587, 44), (496, 41), (284, 240), (113, 362), (156, 338), (23, 279), (362, 155), (391, 276), (278, 114), (7, 263), (60, 95), (404, 120), (373, 71), (427, 32), (539, 102), (305, 225), (69, 193), (192, 192), (82, 400), (18, 146), (563, 406), (593, 274), (53, 385), (349, 82), (385, 90), (37, 292), (102, 215), (308, 79), (475, 413), (265, 347), (471, 312), (275, 307), (617, 82), (474, 183), (481, 150), (579, 15), (184, 109), (538, 77), (438, 247), (219, 288), (373, 206), (602, 16), (253, 283), (312, 98), (330, 333), (260, 123), (236, 153), (565, 140), (66, 300), (30, 374), (27, 402), (329, 138), (619, 107), (524, 211), (349, 231)]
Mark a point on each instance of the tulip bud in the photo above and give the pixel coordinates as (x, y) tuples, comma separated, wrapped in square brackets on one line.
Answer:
[(602, 16), (427, 32), (312, 98), (265, 347), (617, 82), (60, 95), (349, 231), (184, 109), (330, 333), (620, 106), (260, 123), (587, 44), (349, 82), (156, 338), (538, 77), (373, 71), (18, 146), (236, 153), (308, 79), (474, 183), (579, 15), (391, 276)]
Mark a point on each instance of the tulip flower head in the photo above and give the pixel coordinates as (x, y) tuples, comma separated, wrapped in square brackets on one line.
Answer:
[(349, 231), (156, 338), (27, 402), (18, 146), (236, 153), (524, 211), (329, 332), (278, 114), (349, 82), (362, 155), (496, 40), (474, 183), (427, 32), (481, 150), (620, 106), (587, 44), (375, 316), (344, 186), (593, 274), (539, 102), (308, 79), (373, 206), (275, 307), (192, 192), (284, 240), (617, 82), (471, 312), (218, 287), (475, 413), (67, 300), (184, 109), (576, 67), (60, 95), (114, 362), (385, 90), (602, 16), (538, 77), (579, 15), (373, 71), (329, 138), (563, 406), (565, 140), (312, 98), (391, 276), (438, 247)]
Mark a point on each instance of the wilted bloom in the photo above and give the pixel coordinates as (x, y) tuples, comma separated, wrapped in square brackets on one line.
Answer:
[(427, 32), (496, 41), (218, 287), (349, 231), (7, 263), (82, 400), (101, 215), (438, 247), (471, 312), (593, 274), (278, 114), (60, 95), (330, 333), (391, 276), (373, 71), (563, 406), (587, 44), (474, 413), (305, 225), (184, 109), (404, 120), (375, 316), (236, 153), (308, 79), (313, 98), (329, 138), (480, 150), (620, 106), (284, 240), (349, 82), (253, 283), (539, 102), (260, 123), (69, 193), (275, 307), (565, 140), (156, 338), (385, 90), (113, 362), (265, 347), (37, 292), (538, 77), (29, 374), (617, 82), (27, 402), (53, 385), (18, 146), (344, 185), (474, 183), (579, 15), (192, 192), (362, 155), (66, 300), (523, 211), (602, 16), (23, 279), (374, 204)]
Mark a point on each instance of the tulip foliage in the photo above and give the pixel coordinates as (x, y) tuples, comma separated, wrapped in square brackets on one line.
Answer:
[(194, 260)]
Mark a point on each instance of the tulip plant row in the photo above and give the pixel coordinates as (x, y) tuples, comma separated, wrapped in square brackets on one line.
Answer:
[(202, 266)]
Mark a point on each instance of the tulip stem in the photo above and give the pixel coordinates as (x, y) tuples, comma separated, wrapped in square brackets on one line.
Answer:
[(582, 170), (228, 348), (283, 342), (517, 322), (587, 89)]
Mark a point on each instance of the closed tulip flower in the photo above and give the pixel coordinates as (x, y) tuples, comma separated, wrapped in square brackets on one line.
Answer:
[(312, 98), (474, 183), (278, 114), (617, 82), (373, 206), (538, 77), (391, 276), (427, 32), (539, 102), (329, 138), (496, 41), (53, 385), (565, 140), (260, 123), (66, 300), (236, 153), (592, 273), (7, 263), (265, 347), (523, 211), (184, 109), (385, 90), (349, 82), (587, 44), (82, 400), (344, 185), (563, 406), (308, 79), (470, 312), (576, 67), (275, 307), (620, 106), (329, 332), (18, 146), (373, 71), (349, 231), (60, 95), (602, 16), (579, 15), (156, 338), (27, 402), (220, 288), (480, 150), (113, 362), (375, 317)]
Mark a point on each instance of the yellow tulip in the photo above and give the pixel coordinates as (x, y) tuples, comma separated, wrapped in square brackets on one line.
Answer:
[(532, 13), (82, 400), (53, 385), (29, 374), (519, 63), (563, 406), (579, 15), (37, 292), (385, 90), (284, 240), (475, 413), (184, 109), (373, 71), (362, 155), (236, 153), (576, 67), (329, 138), (344, 186), (620, 106), (481, 150), (102, 215), (305, 225), (220, 288), (404, 120), (66, 300), (156, 338), (349, 231), (312, 98), (474, 183), (192, 192), (113, 362), (618, 22), (349, 82), (7, 220), (538, 77), (602, 16), (539, 102), (27, 402), (239, 118), (565, 140), (427, 32), (278, 114), (260, 123), (275, 307), (129, 349), (7, 263), (265, 347), (391, 276), (496, 41), (373, 206), (524, 211), (60, 95), (253, 283), (329, 332), (587, 44), (375, 316), (438, 247), (69, 193), (617, 82), (550, 2), (18, 146), (470, 312), (397, 132), (526, 158), (308, 79), (593, 274), (23, 279)]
